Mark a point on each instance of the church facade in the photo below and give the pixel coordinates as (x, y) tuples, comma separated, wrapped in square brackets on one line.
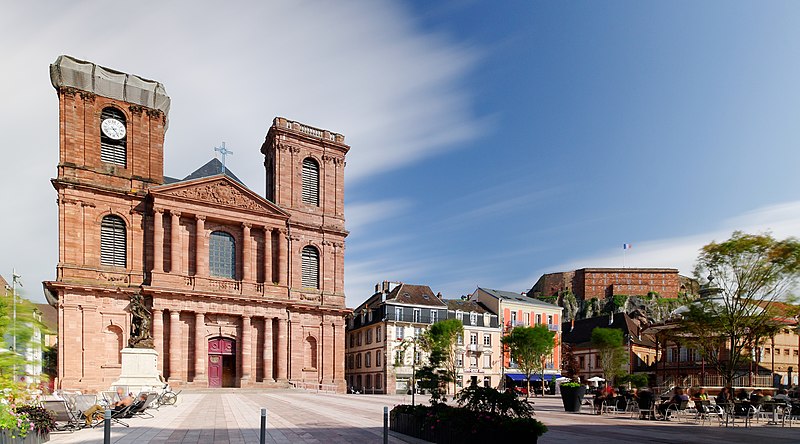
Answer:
[(243, 290)]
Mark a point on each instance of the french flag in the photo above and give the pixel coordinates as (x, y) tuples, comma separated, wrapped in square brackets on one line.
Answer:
[(627, 246)]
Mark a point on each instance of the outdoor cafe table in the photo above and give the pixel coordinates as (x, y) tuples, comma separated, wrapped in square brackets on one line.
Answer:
[(775, 407)]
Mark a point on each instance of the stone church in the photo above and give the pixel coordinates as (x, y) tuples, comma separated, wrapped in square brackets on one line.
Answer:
[(244, 290)]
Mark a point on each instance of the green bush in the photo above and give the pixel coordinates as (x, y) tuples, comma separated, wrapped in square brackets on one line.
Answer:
[(571, 384)]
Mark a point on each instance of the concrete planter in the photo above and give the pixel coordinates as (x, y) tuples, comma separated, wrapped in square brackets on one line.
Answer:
[(31, 438), (572, 397)]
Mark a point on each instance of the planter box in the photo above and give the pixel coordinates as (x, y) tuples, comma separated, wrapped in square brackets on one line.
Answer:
[(32, 438), (572, 397), (408, 424)]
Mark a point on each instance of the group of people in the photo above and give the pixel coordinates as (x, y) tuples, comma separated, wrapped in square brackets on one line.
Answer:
[(124, 400)]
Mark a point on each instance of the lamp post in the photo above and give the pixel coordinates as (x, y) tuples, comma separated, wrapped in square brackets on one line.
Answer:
[(14, 280), (414, 373)]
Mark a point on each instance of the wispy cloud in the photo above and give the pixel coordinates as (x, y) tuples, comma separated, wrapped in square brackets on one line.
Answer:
[(361, 214), (782, 220), (365, 69)]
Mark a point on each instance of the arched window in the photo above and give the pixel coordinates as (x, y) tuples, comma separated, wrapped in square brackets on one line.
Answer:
[(113, 345), (310, 267), (311, 352), (113, 137), (311, 181), (113, 241), (222, 255)]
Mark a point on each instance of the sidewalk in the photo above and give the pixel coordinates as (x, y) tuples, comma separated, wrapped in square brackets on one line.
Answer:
[(293, 416)]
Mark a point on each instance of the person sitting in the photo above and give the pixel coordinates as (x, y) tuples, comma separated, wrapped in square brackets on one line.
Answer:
[(599, 398), (95, 412), (677, 398), (742, 394), (724, 396), (701, 395), (782, 395), (645, 400), (756, 397)]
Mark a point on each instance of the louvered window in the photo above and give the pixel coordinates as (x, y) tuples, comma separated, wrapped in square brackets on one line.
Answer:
[(222, 255), (113, 150), (113, 242), (310, 267), (311, 182)]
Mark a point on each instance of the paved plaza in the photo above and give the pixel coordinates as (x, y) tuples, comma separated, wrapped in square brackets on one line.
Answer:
[(295, 416)]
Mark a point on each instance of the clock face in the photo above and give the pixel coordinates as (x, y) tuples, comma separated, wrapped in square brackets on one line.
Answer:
[(113, 128)]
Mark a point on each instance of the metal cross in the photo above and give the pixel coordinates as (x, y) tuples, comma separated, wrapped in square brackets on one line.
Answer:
[(224, 151)]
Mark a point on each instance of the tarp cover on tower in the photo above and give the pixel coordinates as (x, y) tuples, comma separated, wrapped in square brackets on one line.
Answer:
[(70, 72)]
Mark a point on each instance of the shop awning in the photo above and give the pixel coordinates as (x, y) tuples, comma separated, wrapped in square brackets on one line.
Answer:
[(515, 376), (546, 377)]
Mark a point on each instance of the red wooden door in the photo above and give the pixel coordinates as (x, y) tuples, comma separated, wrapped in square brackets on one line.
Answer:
[(215, 371), (219, 349)]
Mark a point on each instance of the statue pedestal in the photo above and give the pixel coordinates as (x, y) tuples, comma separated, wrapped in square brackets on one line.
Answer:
[(139, 370)]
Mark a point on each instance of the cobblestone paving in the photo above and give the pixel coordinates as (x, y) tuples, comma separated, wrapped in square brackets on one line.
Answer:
[(295, 416)]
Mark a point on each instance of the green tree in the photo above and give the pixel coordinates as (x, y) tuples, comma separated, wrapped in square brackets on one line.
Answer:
[(747, 274), (440, 341), (610, 345), (529, 346), (13, 362)]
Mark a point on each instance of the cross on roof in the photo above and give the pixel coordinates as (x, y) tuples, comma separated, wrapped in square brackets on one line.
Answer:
[(223, 151)]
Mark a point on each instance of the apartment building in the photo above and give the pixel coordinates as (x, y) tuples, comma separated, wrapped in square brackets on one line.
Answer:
[(516, 310), (380, 347), (479, 351)]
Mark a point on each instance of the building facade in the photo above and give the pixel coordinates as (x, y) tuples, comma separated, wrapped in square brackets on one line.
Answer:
[(479, 347), (518, 310), (577, 335), (600, 283), (381, 336), (243, 290)]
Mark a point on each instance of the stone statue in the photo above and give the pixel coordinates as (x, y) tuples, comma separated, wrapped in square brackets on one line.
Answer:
[(140, 323)]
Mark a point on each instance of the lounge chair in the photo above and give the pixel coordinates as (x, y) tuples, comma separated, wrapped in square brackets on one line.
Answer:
[(66, 418), (141, 407), (120, 413)]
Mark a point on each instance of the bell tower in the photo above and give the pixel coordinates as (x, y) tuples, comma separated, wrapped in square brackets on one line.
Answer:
[(112, 126), (111, 150), (305, 171)]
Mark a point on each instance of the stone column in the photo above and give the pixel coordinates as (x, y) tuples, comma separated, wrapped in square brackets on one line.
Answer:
[(268, 349), (158, 337), (200, 348), (268, 278), (158, 240), (247, 269), (174, 346), (282, 257), (175, 243), (200, 250), (247, 361), (281, 350)]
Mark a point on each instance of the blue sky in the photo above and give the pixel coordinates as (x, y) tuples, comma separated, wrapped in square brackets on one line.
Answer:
[(491, 142)]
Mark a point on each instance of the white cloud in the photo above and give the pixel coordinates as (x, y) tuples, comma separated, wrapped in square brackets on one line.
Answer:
[(361, 214), (783, 220), (363, 69)]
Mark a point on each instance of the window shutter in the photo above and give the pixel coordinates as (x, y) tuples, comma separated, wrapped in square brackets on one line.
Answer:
[(310, 267), (311, 182), (113, 243)]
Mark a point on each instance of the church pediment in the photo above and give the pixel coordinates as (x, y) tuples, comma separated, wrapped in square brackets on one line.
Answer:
[(219, 191)]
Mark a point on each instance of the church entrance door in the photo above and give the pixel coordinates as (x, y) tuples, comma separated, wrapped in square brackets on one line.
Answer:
[(221, 362)]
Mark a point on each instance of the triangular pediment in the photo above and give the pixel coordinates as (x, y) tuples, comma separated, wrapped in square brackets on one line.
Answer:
[(221, 191)]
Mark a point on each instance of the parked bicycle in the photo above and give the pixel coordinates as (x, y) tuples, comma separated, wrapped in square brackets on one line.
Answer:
[(166, 397)]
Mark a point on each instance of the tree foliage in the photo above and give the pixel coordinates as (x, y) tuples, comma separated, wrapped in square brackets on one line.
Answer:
[(570, 367), (440, 341), (610, 345), (749, 274), (13, 362), (529, 346)]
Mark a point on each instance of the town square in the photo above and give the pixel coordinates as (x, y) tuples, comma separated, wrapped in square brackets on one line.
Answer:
[(400, 221)]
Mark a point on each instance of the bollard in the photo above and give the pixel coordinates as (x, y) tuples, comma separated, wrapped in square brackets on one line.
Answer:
[(263, 426), (107, 427), (385, 425)]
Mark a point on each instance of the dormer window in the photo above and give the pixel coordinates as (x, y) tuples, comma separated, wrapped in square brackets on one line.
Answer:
[(113, 137)]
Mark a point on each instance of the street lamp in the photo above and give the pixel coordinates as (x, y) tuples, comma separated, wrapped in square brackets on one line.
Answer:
[(15, 279)]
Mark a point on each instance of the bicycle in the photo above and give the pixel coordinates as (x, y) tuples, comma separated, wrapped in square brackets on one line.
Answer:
[(166, 397)]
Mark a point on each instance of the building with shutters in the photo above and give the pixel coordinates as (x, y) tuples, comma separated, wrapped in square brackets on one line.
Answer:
[(518, 310), (245, 290), (478, 349)]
